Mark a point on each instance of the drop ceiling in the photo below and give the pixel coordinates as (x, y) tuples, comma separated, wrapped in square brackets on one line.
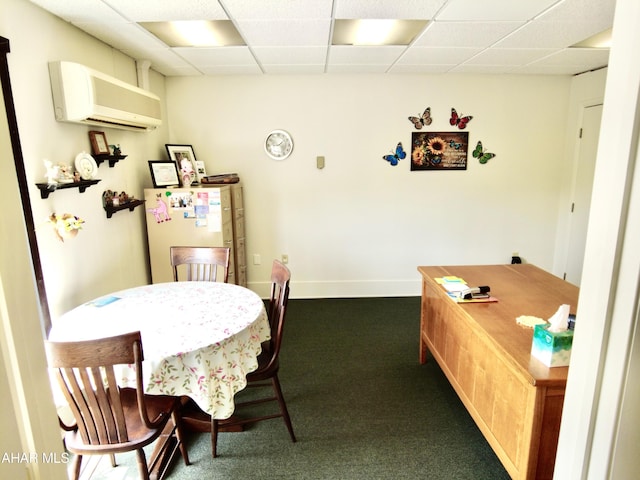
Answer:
[(294, 36)]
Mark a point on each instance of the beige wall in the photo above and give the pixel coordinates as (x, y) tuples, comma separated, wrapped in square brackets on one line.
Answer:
[(350, 212), (108, 254), (360, 226)]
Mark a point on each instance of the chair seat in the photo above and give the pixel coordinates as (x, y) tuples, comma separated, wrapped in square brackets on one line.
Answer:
[(139, 434), (264, 370)]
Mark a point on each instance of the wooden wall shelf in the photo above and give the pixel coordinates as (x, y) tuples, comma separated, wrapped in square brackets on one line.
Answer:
[(46, 189), (105, 157), (129, 205)]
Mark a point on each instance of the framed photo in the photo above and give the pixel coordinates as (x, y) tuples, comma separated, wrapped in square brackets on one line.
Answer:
[(99, 144), (201, 171), (164, 173), (439, 150), (185, 159)]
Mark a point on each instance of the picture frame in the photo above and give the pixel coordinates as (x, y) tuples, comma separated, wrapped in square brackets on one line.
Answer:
[(164, 173), (439, 150), (181, 154), (201, 171), (99, 144)]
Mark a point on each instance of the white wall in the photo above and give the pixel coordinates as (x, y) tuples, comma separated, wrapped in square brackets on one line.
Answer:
[(360, 226), (108, 254)]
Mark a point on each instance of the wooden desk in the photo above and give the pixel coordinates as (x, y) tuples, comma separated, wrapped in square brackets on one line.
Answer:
[(515, 400)]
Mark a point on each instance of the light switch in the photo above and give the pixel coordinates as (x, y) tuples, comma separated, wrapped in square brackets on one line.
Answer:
[(320, 162)]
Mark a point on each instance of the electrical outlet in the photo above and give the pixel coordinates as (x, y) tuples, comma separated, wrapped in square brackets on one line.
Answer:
[(256, 259), (285, 258)]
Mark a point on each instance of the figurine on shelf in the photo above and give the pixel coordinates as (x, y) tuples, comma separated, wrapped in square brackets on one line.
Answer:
[(52, 172), (107, 198), (116, 150), (76, 177), (186, 168), (65, 173)]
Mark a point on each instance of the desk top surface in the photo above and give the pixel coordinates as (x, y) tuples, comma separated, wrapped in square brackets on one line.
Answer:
[(521, 289)]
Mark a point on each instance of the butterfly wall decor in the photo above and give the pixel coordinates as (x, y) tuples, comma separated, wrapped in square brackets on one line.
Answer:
[(422, 121), (481, 154), (399, 155), (460, 122)]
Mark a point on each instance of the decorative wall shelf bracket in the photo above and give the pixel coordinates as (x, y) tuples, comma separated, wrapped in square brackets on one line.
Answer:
[(129, 205), (112, 159), (46, 189)]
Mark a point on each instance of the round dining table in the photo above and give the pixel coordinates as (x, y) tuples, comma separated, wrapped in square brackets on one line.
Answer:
[(200, 339)]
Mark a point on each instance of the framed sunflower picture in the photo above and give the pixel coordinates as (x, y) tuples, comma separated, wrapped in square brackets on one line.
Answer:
[(439, 150)]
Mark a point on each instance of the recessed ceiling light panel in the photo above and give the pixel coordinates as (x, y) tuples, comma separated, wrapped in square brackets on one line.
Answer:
[(196, 33), (599, 40), (376, 31)]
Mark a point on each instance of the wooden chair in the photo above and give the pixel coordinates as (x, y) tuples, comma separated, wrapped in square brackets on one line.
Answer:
[(110, 419), (201, 263), (268, 365)]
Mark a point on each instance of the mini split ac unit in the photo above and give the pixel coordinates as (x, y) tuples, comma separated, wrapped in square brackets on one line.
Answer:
[(83, 95)]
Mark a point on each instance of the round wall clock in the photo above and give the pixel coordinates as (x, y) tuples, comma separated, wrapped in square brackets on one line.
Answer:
[(278, 144)]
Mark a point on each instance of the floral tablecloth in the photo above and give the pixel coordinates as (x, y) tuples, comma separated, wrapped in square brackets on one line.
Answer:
[(199, 338)]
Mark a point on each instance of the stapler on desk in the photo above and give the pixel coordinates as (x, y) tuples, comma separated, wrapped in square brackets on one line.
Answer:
[(475, 292)]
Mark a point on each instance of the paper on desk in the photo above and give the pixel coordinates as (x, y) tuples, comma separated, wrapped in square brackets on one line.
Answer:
[(452, 284)]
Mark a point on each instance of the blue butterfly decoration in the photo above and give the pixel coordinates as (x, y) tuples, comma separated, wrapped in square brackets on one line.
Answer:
[(399, 155)]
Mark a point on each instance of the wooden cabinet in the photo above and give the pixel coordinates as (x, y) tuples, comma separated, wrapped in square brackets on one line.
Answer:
[(515, 400), (195, 216)]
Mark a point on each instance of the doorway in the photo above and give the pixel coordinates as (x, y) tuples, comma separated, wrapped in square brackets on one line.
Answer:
[(579, 219)]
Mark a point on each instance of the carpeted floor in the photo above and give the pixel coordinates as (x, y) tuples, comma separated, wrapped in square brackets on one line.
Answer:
[(362, 407)]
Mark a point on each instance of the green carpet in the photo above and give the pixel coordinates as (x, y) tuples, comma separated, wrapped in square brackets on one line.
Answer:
[(362, 406)]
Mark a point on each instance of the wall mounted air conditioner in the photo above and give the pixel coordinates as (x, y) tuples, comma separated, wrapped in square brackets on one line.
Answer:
[(83, 95)]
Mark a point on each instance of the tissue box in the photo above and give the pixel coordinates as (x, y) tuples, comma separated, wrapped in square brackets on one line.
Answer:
[(552, 348)]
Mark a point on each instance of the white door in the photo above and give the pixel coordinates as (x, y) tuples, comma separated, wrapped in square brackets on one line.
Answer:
[(582, 193)]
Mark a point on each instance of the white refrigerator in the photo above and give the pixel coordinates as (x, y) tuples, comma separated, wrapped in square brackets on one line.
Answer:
[(194, 216)]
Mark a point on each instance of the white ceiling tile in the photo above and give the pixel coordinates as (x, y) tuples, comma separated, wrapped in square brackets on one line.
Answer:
[(548, 70), (127, 36), (264, 33), (291, 55), (493, 10), (293, 69), (483, 69), (465, 34), (208, 56), (357, 68), (372, 55), (278, 10), (544, 35), (75, 11), (598, 13), (399, 68), (437, 56), (587, 57), (294, 35), (570, 22), (388, 9), (509, 56), (165, 10), (231, 70)]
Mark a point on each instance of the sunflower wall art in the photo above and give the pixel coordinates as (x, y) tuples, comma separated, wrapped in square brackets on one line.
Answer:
[(439, 150)]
